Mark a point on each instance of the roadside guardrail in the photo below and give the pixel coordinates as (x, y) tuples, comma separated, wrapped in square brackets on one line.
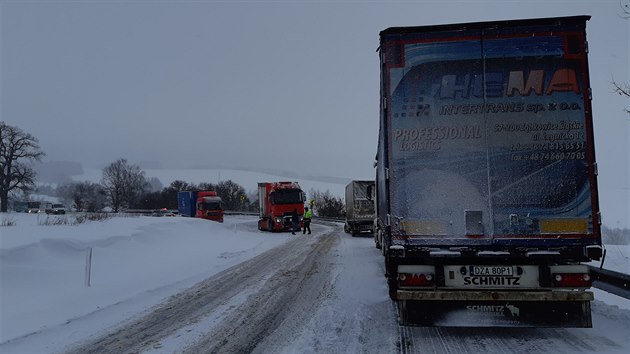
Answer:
[(610, 281)]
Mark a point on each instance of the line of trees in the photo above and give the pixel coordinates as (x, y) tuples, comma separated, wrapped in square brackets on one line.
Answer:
[(123, 185), (88, 196)]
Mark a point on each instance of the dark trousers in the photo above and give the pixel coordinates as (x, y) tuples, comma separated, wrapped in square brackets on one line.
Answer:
[(296, 227), (307, 225)]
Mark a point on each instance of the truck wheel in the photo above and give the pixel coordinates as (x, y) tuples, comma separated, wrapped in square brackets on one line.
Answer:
[(391, 272), (393, 286), (383, 246), (415, 313), (271, 225), (403, 320)]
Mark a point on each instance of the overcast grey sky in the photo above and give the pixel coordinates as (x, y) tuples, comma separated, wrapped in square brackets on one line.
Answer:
[(284, 85)]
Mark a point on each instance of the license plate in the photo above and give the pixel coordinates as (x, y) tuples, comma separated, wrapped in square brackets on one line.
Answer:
[(491, 271)]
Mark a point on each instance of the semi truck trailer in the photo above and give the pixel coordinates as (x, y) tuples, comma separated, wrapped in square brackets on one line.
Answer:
[(200, 204), (360, 212), (487, 203)]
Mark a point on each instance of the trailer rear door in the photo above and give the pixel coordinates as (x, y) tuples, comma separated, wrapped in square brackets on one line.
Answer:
[(489, 133)]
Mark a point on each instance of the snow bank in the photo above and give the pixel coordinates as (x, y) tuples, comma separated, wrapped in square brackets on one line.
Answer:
[(43, 268)]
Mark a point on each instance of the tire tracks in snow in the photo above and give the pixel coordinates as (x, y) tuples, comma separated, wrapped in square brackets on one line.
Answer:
[(282, 283), (280, 308), (503, 340)]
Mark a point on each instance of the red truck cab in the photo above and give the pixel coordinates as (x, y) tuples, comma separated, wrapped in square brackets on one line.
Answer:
[(277, 201), (209, 206)]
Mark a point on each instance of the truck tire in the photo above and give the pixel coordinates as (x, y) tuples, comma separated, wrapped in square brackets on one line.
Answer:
[(270, 225), (403, 320), (391, 272), (392, 285), (383, 245), (415, 313)]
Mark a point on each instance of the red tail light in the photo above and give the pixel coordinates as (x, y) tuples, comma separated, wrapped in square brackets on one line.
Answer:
[(414, 280), (568, 280)]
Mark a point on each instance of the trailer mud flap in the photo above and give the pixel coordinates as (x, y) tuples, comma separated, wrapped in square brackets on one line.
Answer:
[(495, 313)]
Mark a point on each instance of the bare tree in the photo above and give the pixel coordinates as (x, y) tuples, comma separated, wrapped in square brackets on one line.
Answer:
[(83, 196), (327, 205), (155, 185), (232, 195), (123, 183), (180, 185), (16, 149), (623, 89)]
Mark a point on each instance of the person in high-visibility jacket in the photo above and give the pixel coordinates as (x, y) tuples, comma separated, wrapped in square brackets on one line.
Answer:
[(308, 215)]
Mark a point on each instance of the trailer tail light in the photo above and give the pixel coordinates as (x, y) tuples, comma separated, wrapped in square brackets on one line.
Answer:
[(570, 276), (413, 276), (571, 280), (415, 280)]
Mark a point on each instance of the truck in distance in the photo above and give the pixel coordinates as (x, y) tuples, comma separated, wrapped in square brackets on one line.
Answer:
[(487, 204), (277, 201), (200, 204), (33, 207), (55, 209), (360, 211)]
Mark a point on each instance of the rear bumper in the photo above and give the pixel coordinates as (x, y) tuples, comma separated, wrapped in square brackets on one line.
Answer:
[(361, 225), (430, 295), (495, 309)]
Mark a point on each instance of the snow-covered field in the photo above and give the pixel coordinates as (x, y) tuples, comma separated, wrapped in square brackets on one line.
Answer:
[(43, 268), (137, 262)]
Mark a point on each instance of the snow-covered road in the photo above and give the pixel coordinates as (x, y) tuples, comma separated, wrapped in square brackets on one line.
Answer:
[(261, 293), (302, 296), (317, 295)]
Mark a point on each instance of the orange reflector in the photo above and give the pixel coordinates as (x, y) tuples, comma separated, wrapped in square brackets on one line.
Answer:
[(423, 227), (563, 226)]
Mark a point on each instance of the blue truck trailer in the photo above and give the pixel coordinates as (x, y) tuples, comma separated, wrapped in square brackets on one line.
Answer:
[(200, 204), (487, 202), (186, 203)]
